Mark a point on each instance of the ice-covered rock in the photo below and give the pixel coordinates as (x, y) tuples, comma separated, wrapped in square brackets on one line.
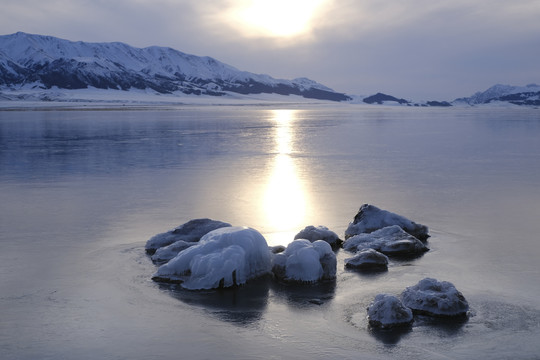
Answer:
[(387, 311), (367, 259), (314, 233), (391, 241), (166, 253), (370, 218), (191, 231), (305, 261), (434, 298), (277, 249), (224, 257)]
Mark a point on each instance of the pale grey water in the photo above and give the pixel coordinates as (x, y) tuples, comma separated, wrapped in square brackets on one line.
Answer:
[(82, 191)]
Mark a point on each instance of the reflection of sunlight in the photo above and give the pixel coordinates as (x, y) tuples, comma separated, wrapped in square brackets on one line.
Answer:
[(284, 198)]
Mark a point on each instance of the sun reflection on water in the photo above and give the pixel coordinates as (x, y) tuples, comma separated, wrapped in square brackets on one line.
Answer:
[(285, 200)]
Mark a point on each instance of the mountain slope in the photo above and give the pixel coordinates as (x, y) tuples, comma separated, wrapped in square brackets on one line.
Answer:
[(46, 61), (518, 95)]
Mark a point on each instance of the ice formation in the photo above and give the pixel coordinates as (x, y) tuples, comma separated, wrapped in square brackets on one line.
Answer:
[(314, 233), (387, 311), (367, 259), (166, 253), (391, 240), (305, 261), (370, 218), (434, 298), (191, 231), (224, 257)]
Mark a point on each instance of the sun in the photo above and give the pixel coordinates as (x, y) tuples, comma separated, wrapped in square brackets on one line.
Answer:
[(277, 18)]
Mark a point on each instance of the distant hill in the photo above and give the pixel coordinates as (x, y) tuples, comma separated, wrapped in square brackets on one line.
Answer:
[(380, 98), (45, 62), (517, 95)]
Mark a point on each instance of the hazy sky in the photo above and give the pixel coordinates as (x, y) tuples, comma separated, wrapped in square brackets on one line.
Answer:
[(416, 49)]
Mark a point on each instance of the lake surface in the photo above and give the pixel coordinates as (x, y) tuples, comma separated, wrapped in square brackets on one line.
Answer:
[(82, 191)]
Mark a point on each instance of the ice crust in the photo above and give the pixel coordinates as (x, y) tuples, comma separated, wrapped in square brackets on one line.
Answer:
[(435, 298), (314, 233), (224, 257), (191, 231), (387, 311), (305, 261), (367, 259), (370, 218), (166, 253), (391, 240)]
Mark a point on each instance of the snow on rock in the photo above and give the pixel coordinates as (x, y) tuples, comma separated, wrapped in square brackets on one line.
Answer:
[(387, 311), (434, 298), (314, 233), (224, 257), (367, 259), (166, 253), (191, 231), (305, 261), (391, 241), (277, 249), (370, 218)]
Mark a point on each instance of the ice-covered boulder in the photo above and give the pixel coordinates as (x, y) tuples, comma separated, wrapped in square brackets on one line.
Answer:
[(314, 233), (305, 261), (434, 298), (370, 218), (367, 259), (224, 257), (391, 241), (387, 311), (166, 253), (191, 231), (277, 249)]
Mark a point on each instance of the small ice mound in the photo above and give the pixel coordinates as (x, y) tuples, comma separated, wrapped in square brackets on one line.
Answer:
[(191, 231), (367, 259), (391, 241), (370, 218), (224, 257), (314, 233), (387, 311), (166, 253), (434, 298), (305, 261)]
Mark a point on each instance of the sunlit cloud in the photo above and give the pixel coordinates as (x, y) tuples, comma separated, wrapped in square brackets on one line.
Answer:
[(275, 18)]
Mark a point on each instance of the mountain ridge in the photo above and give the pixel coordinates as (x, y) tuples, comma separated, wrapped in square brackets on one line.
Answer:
[(47, 61)]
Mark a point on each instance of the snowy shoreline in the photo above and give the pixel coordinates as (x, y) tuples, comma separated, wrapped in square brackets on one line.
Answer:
[(32, 98)]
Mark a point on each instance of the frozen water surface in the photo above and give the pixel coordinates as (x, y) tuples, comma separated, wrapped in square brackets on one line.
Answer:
[(82, 191)]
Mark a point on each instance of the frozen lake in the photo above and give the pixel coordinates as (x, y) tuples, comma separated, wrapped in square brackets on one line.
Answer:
[(82, 191)]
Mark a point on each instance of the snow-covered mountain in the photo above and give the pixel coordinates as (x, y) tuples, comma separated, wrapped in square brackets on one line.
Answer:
[(517, 95), (46, 61)]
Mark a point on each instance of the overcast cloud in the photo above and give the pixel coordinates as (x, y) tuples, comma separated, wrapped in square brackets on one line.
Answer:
[(416, 49)]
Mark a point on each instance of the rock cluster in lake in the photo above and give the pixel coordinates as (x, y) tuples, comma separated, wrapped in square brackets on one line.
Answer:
[(430, 297), (211, 254)]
